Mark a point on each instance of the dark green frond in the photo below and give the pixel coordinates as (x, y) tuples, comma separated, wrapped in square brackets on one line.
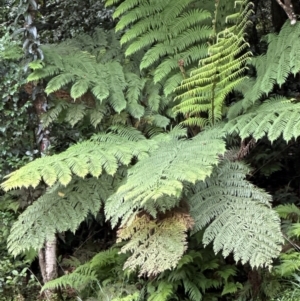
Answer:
[(165, 30)]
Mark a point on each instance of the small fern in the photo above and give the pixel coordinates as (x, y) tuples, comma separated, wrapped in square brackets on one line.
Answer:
[(99, 268)]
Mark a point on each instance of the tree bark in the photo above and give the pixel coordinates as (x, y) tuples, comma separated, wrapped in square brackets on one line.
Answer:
[(47, 255)]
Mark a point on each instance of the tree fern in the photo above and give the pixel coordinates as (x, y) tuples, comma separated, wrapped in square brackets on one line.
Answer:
[(58, 210), (275, 117), (168, 31), (238, 215), (281, 60), (168, 168), (203, 94)]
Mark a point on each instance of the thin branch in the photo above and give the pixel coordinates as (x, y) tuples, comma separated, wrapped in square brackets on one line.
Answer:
[(289, 10)]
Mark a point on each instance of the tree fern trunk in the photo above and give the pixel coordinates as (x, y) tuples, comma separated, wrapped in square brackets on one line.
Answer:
[(47, 255), (47, 261)]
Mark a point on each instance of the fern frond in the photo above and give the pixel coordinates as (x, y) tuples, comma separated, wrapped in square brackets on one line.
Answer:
[(275, 117), (281, 60), (288, 211), (163, 292), (155, 246), (289, 264), (104, 153), (59, 210), (52, 114), (166, 30), (86, 274), (239, 216), (217, 75), (168, 167)]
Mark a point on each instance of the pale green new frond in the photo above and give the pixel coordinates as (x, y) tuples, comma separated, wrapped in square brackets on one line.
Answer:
[(275, 117), (156, 183), (239, 216), (58, 210), (104, 153), (218, 74)]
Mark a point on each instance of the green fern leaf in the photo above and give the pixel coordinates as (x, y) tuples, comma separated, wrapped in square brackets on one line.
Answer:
[(168, 30), (110, 150), (275, 117), (163, 241), (281, 59), (162, 188), (239, 216), (163, 292), (217, 75), (79, 88), (59, 210), (75, 113)]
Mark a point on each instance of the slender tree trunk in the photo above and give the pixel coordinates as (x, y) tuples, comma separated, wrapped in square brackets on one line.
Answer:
[(47, 255), (47, 260)]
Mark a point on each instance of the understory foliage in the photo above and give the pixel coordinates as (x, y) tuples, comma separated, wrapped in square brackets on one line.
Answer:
[(181, 199), (197, 274)]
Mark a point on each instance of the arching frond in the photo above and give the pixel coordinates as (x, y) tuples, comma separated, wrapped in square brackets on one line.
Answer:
[(238, 216), (103, 153), (281, 59), (59, 210), (155, 184), (275, 117)]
